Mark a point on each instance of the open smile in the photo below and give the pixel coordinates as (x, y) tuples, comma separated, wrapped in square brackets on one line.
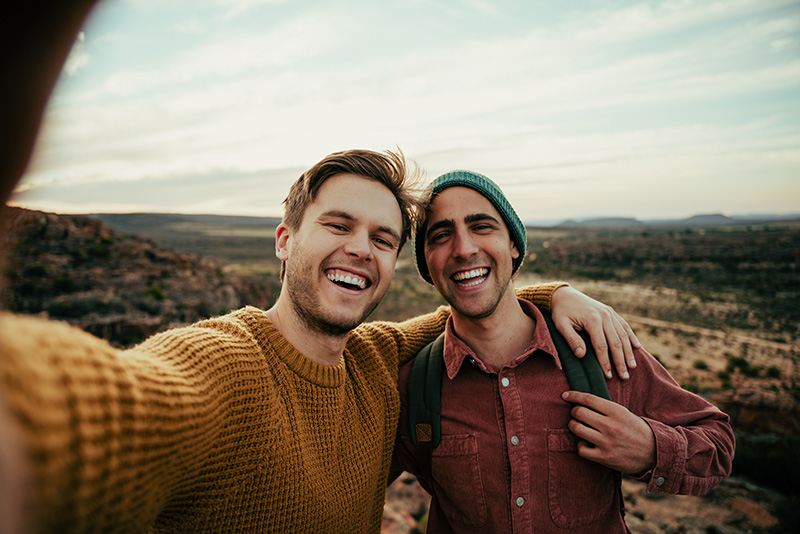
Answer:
[(470, 278), (347, 279)]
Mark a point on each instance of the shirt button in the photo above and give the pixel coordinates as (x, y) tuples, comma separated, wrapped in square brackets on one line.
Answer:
[(514, 440), (505, 381), (660, 481), (520, 501)]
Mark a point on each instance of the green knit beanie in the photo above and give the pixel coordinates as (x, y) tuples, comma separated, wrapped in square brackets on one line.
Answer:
[(492, 192)]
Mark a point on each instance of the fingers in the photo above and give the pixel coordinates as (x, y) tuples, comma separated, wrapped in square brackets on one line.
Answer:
[(619, 343), (600, 343), (606, 334), (632, 338), (593, 402), (575, 341)]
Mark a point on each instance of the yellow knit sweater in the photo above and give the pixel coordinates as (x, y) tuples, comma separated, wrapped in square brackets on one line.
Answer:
[(221, 426)]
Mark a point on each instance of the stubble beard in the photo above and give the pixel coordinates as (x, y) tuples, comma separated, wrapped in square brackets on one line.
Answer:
[(482, 313), (486, 309), (302, 294)]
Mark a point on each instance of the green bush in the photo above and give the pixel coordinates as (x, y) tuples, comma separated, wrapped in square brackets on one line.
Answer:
[(73, 309), (155, 292), (64, 284), (773, 372)]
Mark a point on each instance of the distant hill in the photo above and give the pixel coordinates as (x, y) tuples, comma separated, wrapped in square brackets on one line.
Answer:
[(134, 221), (155, 225), (603, 222), (116, 285), (230, 239), (703, 220)]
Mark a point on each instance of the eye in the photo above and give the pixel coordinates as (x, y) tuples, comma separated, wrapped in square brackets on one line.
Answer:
[(438, 237), (483, 227), (384, 243), (337, 227)]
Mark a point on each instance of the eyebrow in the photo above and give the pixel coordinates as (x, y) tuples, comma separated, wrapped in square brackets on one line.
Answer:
[(450, 223), (444, 223), (339, 214), (477, 217)]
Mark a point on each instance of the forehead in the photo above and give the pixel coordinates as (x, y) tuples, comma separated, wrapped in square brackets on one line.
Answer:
[(459, 202), (364, 199)]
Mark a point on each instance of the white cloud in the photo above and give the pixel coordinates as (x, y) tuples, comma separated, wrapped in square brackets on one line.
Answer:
[(603, 101), (234, 8)]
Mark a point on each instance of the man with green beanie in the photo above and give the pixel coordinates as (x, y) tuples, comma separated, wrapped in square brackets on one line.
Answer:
[(517, 450)]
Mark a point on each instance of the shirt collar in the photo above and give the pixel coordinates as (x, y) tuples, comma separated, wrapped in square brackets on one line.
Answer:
[(456, 352)]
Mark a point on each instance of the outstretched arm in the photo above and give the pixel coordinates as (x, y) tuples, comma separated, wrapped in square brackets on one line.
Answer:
[(573, 312)]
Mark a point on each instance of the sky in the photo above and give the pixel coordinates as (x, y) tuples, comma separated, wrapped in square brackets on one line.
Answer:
[(591, 108)]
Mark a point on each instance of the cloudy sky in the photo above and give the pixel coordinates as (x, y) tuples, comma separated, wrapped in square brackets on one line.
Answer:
[(644, 109)]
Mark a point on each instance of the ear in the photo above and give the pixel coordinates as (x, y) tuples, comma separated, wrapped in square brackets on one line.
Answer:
[(514, 251), (282, 242)]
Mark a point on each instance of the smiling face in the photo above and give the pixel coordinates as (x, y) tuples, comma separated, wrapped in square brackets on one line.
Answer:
[(469, 252), (341, 259)]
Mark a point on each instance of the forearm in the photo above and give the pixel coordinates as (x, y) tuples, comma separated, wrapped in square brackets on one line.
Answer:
[(405, 339), (111, 435), (693, 459), (694, 439)]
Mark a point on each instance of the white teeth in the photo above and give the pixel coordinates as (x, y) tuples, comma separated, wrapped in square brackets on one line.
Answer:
[(348, 279), (474, 273)]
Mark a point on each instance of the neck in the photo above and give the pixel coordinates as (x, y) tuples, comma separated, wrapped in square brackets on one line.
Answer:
[(501, 337), (320, 348)]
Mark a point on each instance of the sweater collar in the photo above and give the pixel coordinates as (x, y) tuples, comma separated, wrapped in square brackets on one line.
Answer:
[(271, 340)]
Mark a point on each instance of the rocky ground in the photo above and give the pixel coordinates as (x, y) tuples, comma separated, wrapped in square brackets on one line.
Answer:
[(737, 506), (117, 286)]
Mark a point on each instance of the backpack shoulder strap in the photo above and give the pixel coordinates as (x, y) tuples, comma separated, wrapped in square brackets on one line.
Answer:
[(424, 401), (583, 374), (425, 385), (425, 393)]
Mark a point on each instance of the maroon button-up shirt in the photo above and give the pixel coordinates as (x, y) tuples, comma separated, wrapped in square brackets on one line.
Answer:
[(507, 461)]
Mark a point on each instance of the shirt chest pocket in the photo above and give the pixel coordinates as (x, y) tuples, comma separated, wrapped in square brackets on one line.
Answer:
[(579, 491), (457, 480)]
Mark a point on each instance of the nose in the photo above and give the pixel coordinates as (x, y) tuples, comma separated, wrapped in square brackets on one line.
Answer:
[(358, 245), (463, 245)]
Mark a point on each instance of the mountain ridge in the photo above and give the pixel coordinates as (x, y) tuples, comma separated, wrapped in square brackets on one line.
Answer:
[(137, 220)]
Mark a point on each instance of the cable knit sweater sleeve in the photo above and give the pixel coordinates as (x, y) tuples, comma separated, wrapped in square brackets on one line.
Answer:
[(116, 435)]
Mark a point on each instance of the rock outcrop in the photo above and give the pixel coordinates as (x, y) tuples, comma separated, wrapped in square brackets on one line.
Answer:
[(117, 286)]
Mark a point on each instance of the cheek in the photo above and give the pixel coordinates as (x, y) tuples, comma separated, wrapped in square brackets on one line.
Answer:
[(435, 259), (387, 265)]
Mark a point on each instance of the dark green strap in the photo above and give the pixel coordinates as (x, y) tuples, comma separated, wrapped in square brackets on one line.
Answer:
[(425, 393), (583, 374), (425, 384)]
